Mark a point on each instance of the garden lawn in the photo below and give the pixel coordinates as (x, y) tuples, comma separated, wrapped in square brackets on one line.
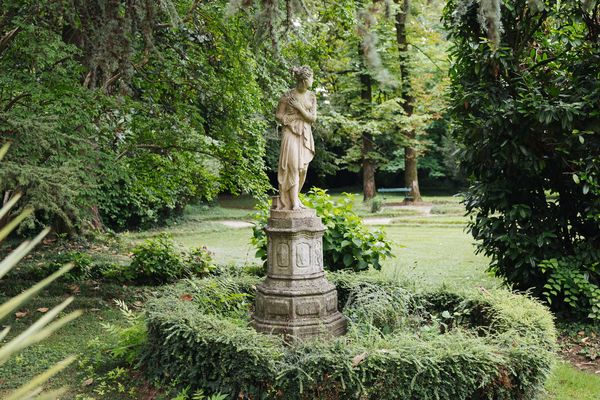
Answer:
[(431, 249)]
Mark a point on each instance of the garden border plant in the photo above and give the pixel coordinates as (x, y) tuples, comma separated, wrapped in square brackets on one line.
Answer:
[(347, 243), (155, 261), (401, 344)]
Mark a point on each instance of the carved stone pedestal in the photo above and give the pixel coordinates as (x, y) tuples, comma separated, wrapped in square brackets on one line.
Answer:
[(296, 300)]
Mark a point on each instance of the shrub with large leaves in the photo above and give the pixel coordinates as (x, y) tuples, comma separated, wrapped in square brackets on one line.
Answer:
[(347, 242), (525, 94)]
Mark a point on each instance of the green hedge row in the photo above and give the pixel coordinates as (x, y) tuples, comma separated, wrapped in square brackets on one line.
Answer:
[(400, 344)]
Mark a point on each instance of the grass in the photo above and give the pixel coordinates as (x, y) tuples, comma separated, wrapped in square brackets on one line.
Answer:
[(433, 220), (450, 208), (71, 339), (436, 255), (567, 383), (429, 249), (206, 213)]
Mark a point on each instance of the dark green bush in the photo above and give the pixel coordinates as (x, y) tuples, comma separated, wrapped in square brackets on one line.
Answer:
[(155, 261), (400, 344), (376, 204), (524, 105), (83, 265), (347, 243)]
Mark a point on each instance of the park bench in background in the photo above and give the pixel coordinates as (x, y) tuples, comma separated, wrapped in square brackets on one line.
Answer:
[(405, 191)]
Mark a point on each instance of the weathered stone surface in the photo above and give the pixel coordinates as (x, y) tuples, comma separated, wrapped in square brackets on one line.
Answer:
[(296, 112), (295, 300)]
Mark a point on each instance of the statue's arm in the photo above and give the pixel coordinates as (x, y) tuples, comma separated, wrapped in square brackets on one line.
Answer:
[(308, 115), (280, 114)]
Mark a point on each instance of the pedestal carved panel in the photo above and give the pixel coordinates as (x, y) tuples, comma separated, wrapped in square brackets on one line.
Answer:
[(296, 300), (303, 255), (283, 255)]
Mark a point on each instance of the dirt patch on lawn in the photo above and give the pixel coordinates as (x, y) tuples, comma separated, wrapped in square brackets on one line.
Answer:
[(581, 349)]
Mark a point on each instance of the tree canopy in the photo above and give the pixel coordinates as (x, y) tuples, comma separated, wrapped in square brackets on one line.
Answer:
[(122, 112), (127, 111)]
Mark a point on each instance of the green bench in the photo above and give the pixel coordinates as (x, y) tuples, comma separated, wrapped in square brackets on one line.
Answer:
[(405, 191)]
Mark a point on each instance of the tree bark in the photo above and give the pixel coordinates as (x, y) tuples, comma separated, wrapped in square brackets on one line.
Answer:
[(411, 177), (368, 164)]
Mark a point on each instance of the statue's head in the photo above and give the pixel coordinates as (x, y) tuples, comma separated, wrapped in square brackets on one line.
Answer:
[(303, 76)]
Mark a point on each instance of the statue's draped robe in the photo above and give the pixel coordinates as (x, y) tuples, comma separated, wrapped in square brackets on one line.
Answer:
[(297, 143)]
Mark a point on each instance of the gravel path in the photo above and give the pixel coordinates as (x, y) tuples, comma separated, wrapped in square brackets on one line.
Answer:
[(424, 211), (236, 224)]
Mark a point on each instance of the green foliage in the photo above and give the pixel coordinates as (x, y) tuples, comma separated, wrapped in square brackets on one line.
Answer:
[(158, 260), (44, 326), (130, 338), (82, 265), (524, 109), (85, 266), (198, 262), (352, 47), (502, 351), (48, 116), (197, 395), (376, 204), (569, 282), (155, 261), (347, 243), (121, 114)]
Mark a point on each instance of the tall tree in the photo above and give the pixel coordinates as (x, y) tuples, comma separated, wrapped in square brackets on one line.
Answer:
[(372, 138), (367, 144), (136, 106), (411, 176)]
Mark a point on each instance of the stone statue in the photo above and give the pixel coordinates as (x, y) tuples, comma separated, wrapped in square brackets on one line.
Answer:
[(297, 110), (295, 299)]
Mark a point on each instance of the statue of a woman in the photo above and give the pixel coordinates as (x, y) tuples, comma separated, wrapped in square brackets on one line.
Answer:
[(297, 110)]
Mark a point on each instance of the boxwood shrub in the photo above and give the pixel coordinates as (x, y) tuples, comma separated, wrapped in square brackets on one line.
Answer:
[(400, 345)]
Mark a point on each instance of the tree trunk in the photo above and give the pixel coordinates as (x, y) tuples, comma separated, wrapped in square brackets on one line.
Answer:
[(368, 164), (410, 173), (411, 177)]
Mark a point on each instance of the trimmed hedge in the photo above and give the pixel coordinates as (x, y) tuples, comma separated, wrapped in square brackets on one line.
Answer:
[(400, 344)]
